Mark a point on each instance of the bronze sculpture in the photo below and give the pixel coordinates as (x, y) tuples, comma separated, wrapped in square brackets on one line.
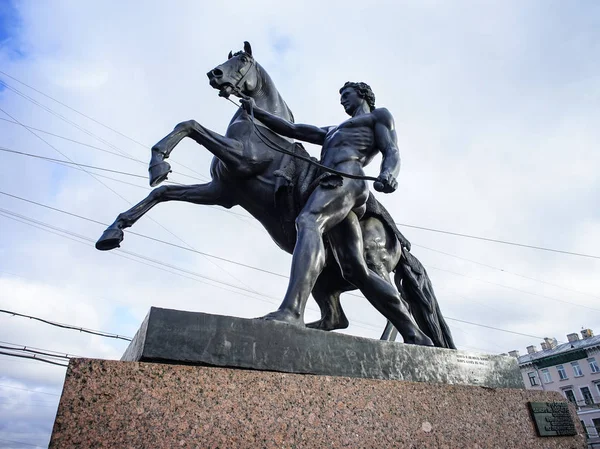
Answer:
[(274, 187)]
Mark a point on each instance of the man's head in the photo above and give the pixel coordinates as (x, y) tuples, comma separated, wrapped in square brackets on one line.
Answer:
[(352, 92)]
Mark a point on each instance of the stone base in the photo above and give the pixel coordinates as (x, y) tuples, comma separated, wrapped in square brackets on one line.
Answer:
[(111, 404), (173, 336)]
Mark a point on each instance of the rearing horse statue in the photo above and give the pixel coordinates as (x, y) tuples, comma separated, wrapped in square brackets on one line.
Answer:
[(272, 187)]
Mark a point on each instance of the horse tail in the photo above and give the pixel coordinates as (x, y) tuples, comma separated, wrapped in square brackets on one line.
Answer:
[(414, 284)]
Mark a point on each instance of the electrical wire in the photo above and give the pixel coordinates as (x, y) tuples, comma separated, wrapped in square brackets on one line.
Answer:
[(96, 148), (50, 159), (68, 326), (515, 289), (507, 271), (494, 328), (89, 240), (49, 351), (120, 196), (33, 351), (146, 236), (284, 276), (399, 224), (72, 109), (504, 242), (33, 357), (356, 323), (159, 265), (20, 442), (56, 114), (27, 389)]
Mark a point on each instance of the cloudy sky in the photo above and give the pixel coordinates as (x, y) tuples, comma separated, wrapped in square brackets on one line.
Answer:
[(497, 111)]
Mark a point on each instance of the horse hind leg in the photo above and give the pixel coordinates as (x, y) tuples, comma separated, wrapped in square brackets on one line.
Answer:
[(326, 293), (210, 193), (382, 253)]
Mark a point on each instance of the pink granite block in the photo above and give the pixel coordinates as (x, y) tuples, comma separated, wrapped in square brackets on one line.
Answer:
[(110, 404)]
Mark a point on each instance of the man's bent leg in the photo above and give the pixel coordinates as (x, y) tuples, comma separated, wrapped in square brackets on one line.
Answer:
[(347, 243)]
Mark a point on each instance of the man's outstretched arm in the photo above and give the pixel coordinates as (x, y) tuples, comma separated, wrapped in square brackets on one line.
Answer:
[(306, 133), (386, 142)]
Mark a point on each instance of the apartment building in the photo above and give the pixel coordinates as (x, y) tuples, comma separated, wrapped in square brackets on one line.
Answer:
[(572, 369)]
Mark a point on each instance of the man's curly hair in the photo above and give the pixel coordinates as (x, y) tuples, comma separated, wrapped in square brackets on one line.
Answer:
[(364, 91)]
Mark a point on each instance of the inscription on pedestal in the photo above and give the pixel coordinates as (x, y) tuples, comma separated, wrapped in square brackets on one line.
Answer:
[(552, 419)]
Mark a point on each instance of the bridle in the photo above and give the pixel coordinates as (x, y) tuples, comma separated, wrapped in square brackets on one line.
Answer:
[(237, 89)]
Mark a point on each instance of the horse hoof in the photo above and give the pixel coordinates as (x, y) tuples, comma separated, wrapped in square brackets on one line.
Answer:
[(110, 239), (158, 173)]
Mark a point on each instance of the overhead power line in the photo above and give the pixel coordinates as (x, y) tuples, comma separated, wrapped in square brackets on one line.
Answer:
[(84, 130), (78, 142), (50, 159), (68, 158), (41, 351), (158, 264), (146, 236), (68, 326), (515, 289), (281, 275), (20, 442), (33, 357), (118, 194), (35, 352), (504, 242), (494, 328), (73, 109), (28, 389), (88, 240), (507, 271), (95, 147), (60, 116), (145, 146)]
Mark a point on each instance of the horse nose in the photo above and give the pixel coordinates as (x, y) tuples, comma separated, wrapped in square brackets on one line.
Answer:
[(215, 73)]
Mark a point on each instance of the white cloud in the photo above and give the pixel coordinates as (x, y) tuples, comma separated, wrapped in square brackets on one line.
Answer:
[(496, 108)]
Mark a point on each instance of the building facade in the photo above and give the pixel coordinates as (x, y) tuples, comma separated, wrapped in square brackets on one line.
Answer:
[(572, 369)]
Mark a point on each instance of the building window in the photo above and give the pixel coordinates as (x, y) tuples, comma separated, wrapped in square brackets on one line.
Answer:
[(587, 396), (562, 374), (546, 375), (532, 379), (587, 435), (570, 396), (596, 422), (576, 369), (593, 365)]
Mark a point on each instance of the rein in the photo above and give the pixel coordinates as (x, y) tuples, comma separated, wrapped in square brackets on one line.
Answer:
[(268, 142)]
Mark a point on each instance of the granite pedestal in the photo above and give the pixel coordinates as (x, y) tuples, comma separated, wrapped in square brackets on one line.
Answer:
[(111, 404), (208, 381)]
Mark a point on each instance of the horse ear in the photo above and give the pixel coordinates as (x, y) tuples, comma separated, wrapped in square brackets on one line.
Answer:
[(247, 48), (230, 55)]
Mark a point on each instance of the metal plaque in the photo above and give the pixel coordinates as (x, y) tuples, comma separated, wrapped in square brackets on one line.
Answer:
[(552, 419)]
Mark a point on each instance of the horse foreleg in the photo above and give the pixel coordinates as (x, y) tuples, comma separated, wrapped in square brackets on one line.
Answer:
[(230, 151), (210, 194), (243, 159)]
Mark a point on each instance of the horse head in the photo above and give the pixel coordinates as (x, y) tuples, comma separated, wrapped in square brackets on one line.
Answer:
[(239, 74)]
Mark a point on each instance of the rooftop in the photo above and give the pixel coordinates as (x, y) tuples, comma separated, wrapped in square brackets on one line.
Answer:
[(560, 349)]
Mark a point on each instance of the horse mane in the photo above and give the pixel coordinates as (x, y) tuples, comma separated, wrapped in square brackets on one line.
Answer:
[(270, 88)]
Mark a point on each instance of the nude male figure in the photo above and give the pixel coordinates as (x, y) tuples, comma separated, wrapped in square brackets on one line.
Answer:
[(336, 205)]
